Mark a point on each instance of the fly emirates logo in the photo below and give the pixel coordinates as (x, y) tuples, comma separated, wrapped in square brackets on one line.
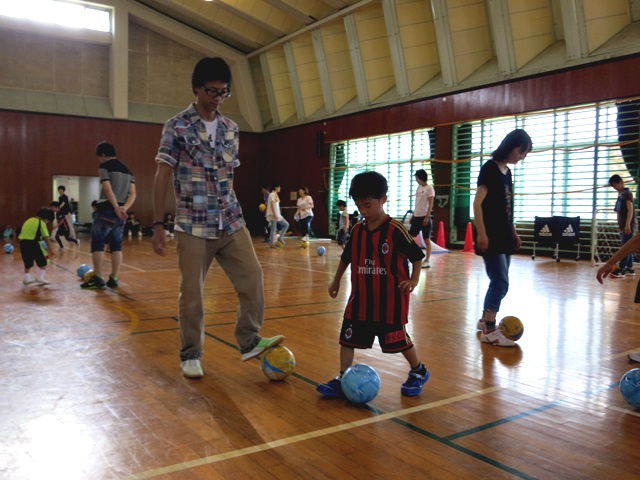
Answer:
[(370, 268)]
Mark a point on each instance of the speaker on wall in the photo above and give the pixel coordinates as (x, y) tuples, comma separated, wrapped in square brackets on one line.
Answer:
[(319, 144)]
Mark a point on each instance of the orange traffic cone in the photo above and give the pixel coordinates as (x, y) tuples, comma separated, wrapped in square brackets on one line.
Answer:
[(440, 239), (468, 240)]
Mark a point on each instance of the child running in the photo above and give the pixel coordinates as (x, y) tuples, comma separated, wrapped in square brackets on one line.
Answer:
[(33, 231), (379, 251)]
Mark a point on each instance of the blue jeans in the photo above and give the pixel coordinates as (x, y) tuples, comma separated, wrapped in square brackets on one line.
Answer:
[(497, 268), (106, 228), (283, 225), (305, 224), (626, 262)]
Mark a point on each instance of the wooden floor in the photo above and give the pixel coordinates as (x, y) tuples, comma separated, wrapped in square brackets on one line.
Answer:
[(92, 389)]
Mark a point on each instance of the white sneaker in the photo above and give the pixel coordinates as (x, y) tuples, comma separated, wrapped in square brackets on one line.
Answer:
[(497, 338), (28, 282), (42, 281), (426, 264), (191, 368), (634, 357)]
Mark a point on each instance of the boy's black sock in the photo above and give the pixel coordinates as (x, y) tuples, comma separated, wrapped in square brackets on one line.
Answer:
[(420, 369)]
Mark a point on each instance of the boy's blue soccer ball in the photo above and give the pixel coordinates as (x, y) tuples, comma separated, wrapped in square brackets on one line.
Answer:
[(82, 269), (630, 387), (321, 251), (43, 244), (8, 248), (360, 383)]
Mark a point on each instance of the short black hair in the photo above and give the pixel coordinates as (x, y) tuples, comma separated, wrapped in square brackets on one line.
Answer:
[(106, 149), (45, 214), (55, 204), (62, 187), (368, 184), (341, 203), (615, 179), (210, 70), (421, 175)]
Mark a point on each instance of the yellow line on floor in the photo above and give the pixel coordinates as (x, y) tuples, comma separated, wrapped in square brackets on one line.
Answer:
[(304, 436)]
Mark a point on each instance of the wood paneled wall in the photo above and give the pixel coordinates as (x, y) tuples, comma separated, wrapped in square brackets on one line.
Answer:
[(34, 147)]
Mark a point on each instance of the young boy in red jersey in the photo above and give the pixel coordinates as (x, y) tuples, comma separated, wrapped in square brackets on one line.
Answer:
[(379, 251)]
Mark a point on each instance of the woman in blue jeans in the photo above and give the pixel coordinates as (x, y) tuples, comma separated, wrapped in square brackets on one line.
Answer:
[(496, 237)]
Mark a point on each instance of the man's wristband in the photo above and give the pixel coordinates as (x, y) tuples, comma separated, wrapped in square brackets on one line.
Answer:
[(155, 224)]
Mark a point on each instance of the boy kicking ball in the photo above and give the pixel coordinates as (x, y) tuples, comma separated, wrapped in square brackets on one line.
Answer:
[(379, 251)]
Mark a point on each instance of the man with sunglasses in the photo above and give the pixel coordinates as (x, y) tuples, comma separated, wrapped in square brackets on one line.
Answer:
[(199, 151)]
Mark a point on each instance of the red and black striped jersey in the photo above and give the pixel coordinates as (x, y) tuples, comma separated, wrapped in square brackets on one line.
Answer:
[(379, 262)]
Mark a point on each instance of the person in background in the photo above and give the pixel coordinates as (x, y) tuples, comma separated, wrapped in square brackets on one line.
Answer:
[(63, 226), (65, 209), (421, 219), (132, 225), (33, 231), (169, 224), (342, 235), (116, 198), (625, 213), (275, 218), (304, 213), (497, 238)]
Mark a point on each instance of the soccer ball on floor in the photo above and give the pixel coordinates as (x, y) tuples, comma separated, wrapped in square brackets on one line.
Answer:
[(630, 387), (87, 275), (321, 251), (277, 363), (360, 383), (82, 269), (8, 248), (305, 244), (511, 327)]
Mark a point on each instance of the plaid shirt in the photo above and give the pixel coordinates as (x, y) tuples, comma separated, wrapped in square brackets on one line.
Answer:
[(206, 204)]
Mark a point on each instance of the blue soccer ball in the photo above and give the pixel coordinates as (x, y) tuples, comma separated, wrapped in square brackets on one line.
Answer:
[(8, 248), (82, 269), (360, 383), (630, 387), (43, 244), (321, 251)]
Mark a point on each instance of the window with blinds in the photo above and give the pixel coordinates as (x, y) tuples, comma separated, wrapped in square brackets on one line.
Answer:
[(396, 156), (575, 151)]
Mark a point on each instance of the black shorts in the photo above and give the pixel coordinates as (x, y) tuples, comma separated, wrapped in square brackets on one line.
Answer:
[(417, 227), (358, 334), (32, 252), (343, 236)]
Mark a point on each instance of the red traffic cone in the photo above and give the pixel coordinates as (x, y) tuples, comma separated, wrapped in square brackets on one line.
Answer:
[(440, 239), (468, 240)]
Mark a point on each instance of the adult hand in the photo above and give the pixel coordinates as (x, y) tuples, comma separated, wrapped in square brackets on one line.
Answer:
[(482, 242), (603, 272), (159, 240), (121, 212)]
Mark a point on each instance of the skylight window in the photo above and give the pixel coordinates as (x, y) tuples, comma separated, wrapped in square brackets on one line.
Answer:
[(68, 14)]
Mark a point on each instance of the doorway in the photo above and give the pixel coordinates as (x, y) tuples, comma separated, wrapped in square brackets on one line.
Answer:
[(81, 192)]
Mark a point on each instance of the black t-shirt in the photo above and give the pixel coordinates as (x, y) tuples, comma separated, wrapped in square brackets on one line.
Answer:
[(497, 209), (64, 209)]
